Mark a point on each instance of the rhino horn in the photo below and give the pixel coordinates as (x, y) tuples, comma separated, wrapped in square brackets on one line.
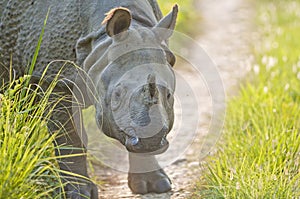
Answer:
[(117, 21), (167, 22), (152, 85)]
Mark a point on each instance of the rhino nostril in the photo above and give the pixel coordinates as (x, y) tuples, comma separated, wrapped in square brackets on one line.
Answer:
[(164, 141), (131, 137), (131, 141), (165, 129)]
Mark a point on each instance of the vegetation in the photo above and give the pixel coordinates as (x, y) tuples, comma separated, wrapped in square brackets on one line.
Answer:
[(187, 16), (27, 164), (259, 155)]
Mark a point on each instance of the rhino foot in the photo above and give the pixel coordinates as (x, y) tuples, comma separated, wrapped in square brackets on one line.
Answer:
[(155, 181), (81, 191)]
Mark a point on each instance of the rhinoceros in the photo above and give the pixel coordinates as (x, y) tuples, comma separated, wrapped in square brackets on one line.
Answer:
[(125, 72)]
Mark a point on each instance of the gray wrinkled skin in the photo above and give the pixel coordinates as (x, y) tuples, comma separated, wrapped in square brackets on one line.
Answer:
[(127, 77)]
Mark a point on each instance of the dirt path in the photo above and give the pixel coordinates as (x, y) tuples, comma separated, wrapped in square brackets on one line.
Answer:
[(226, 35)]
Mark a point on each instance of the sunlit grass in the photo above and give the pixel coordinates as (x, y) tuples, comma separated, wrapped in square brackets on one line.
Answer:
[(259, 155), (27, 165)]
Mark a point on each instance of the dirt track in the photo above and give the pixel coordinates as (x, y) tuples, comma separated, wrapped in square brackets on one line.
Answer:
[(226, 33)]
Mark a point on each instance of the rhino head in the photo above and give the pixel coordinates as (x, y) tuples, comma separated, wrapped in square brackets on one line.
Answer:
[(135, 82)]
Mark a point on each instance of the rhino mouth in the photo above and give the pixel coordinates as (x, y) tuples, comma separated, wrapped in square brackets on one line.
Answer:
[(151, 146)]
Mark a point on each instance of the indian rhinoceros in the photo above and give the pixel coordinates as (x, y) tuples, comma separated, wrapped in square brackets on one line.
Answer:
[(126, 74)]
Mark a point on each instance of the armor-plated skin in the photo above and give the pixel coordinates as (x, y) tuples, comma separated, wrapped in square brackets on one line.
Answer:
[(129, 77)]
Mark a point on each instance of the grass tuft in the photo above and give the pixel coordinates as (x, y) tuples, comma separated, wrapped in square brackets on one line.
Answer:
[(28, 165)]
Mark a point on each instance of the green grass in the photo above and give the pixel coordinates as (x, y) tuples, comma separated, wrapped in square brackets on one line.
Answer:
[(28, 166), (259, 153)]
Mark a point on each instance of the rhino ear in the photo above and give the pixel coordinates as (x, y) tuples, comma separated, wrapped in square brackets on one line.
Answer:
[(167, 22), (117, 21)]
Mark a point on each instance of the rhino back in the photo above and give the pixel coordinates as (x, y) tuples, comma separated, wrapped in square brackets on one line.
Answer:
[(2, 4), (22, 22), (68, 20)]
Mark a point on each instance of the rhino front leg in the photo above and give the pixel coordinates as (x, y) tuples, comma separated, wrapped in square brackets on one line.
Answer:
[(71, 141), (146, 176)]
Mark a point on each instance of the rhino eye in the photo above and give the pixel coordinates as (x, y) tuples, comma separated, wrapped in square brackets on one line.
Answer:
[(170, 99), (169, 95), (117, 97)]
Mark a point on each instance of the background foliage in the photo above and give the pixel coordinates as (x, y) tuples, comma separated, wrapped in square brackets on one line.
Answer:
[(188, 15)]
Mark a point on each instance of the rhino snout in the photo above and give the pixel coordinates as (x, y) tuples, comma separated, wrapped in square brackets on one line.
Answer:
[(155, 145)]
